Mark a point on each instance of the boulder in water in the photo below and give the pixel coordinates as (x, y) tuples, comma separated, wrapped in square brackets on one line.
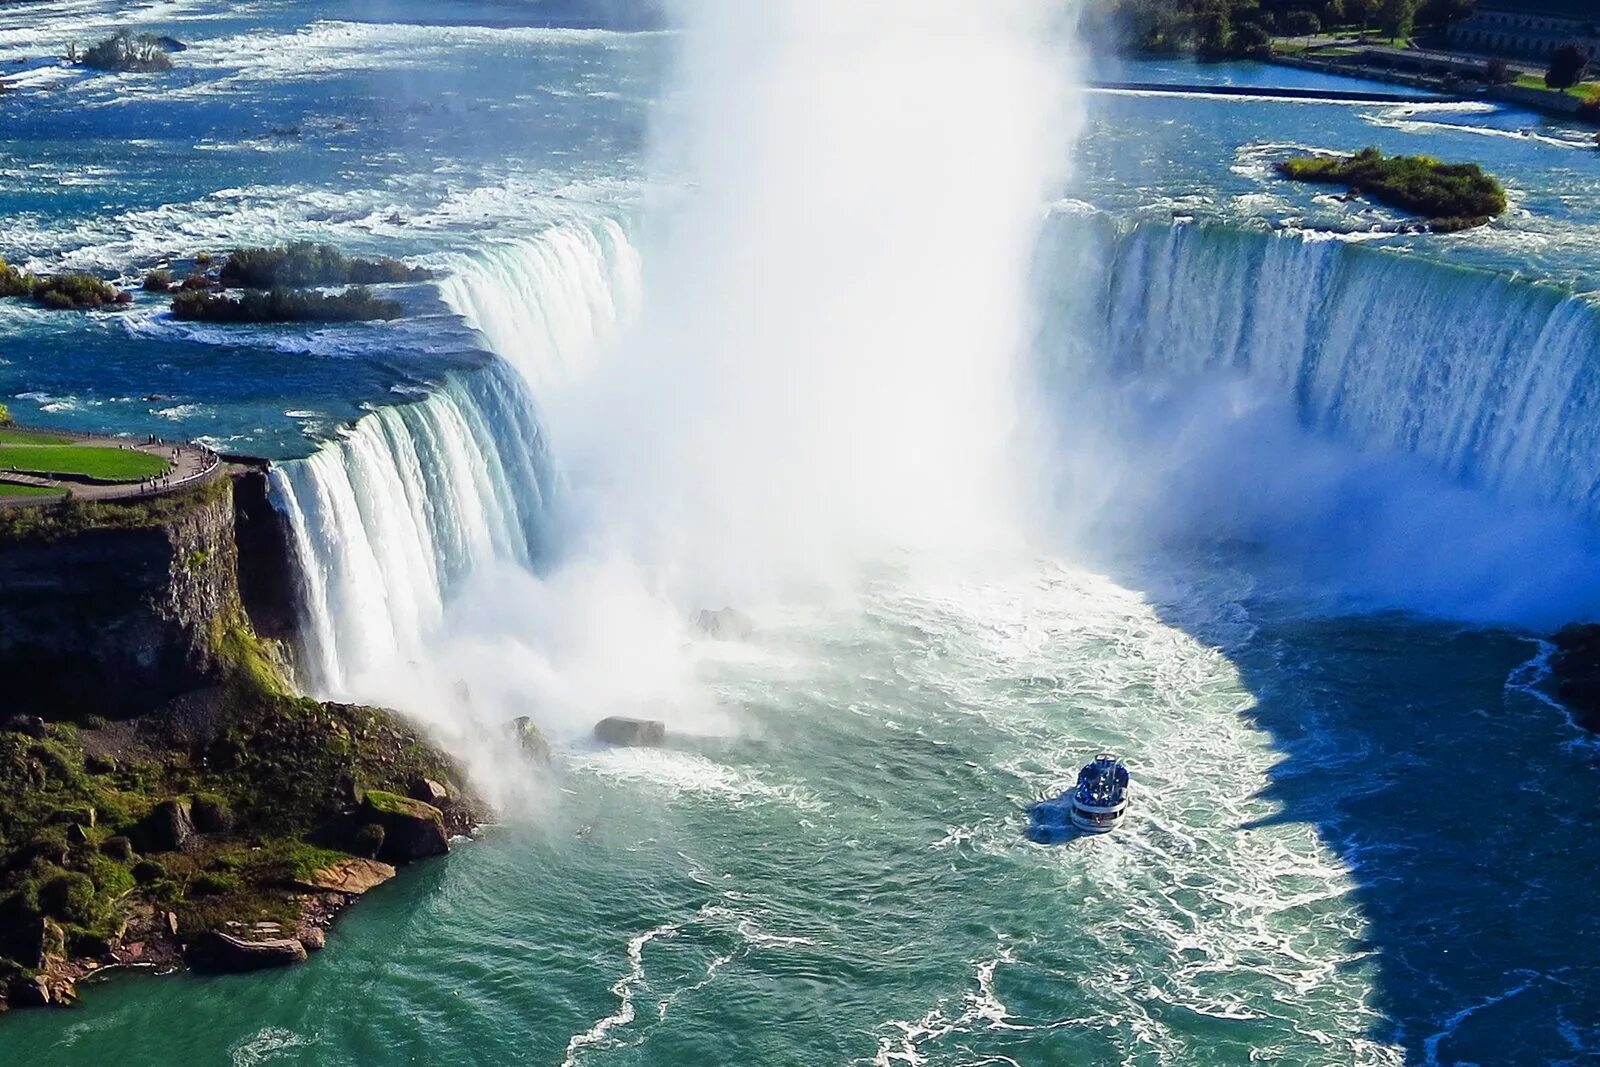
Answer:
[(725, 624), (412, 829), (217, 951), (354, 875), (619, 730)]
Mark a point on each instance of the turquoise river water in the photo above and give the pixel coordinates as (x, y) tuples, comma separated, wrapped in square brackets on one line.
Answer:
[(1302, 496)]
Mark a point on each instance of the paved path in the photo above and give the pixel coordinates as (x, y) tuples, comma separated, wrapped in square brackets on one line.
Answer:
[(188, 465)]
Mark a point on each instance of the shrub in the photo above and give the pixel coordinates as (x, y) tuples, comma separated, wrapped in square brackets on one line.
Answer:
[(1397, 17), (158, 281), (1301, 23), (148, 872), (69, 896), (1250, 40), (14, 282), (285, 305), (118, 848), (63, 291), (1418, 184), (211, 814), (1567, 66), (304, 263), (125, 50), (215, 884)]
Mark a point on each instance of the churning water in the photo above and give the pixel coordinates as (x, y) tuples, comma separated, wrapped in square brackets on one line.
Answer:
[(1000, 487)]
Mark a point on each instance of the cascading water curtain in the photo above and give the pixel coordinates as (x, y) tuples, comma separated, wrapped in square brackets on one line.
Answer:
[(390, 517)]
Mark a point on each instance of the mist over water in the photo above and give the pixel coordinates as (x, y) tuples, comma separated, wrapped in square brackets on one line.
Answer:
[(806, 362), (826, 365)]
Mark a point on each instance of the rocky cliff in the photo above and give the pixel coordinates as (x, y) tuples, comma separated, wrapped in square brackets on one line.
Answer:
[(165, 794), (112, 621)]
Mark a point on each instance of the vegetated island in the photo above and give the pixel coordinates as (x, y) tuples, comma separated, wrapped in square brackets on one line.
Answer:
[(61, 292), (355, 304), (1451, 196), (127, 51), (275, 280), (303, 263), (166, 796)]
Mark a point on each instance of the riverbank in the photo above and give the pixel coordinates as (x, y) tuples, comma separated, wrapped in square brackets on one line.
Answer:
[(166, 797), (1449, 80)]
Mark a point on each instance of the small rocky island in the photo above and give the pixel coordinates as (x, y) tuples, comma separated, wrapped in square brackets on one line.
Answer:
[(1451, 196), (167, 798)]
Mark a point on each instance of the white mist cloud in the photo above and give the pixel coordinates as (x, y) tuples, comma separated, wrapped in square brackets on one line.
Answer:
[(835, 299), (823, 373)]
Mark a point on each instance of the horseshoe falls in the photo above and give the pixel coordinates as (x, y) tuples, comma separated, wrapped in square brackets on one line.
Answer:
[(1022, 422), (1478, 374), (418, 496)]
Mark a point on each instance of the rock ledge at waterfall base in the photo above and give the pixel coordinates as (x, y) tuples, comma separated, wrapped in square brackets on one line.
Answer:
[(186, 806)]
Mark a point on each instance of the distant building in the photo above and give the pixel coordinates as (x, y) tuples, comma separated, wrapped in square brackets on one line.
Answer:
[(1529, 29)]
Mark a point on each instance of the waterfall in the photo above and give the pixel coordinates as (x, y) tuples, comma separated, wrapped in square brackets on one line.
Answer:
[(1490, 379), (416, 496), (1486, 378), (547, 303)]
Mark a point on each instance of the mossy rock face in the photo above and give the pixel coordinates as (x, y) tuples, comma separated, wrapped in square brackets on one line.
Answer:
[(119, 848), (212, 814), (412, 829), (168, 828), (69, 896)]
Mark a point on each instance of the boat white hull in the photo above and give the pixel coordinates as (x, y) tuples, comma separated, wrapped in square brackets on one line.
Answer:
[(1093, 820)]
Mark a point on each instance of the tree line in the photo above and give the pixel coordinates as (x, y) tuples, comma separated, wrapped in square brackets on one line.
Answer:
[(1241, 27)]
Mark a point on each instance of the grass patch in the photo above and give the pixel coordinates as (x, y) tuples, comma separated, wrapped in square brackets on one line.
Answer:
[(74, 516), (1587, 91), (12, 489), (91, 461), (1453, 195), (30, 437)]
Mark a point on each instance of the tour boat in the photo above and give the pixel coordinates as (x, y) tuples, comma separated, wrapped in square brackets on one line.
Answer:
[(1100, 799), (1094, 805)]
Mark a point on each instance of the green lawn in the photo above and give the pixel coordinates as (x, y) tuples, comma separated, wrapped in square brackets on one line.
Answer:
[(91, 461), (10, 489), (28, 437), (1583, 90)]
